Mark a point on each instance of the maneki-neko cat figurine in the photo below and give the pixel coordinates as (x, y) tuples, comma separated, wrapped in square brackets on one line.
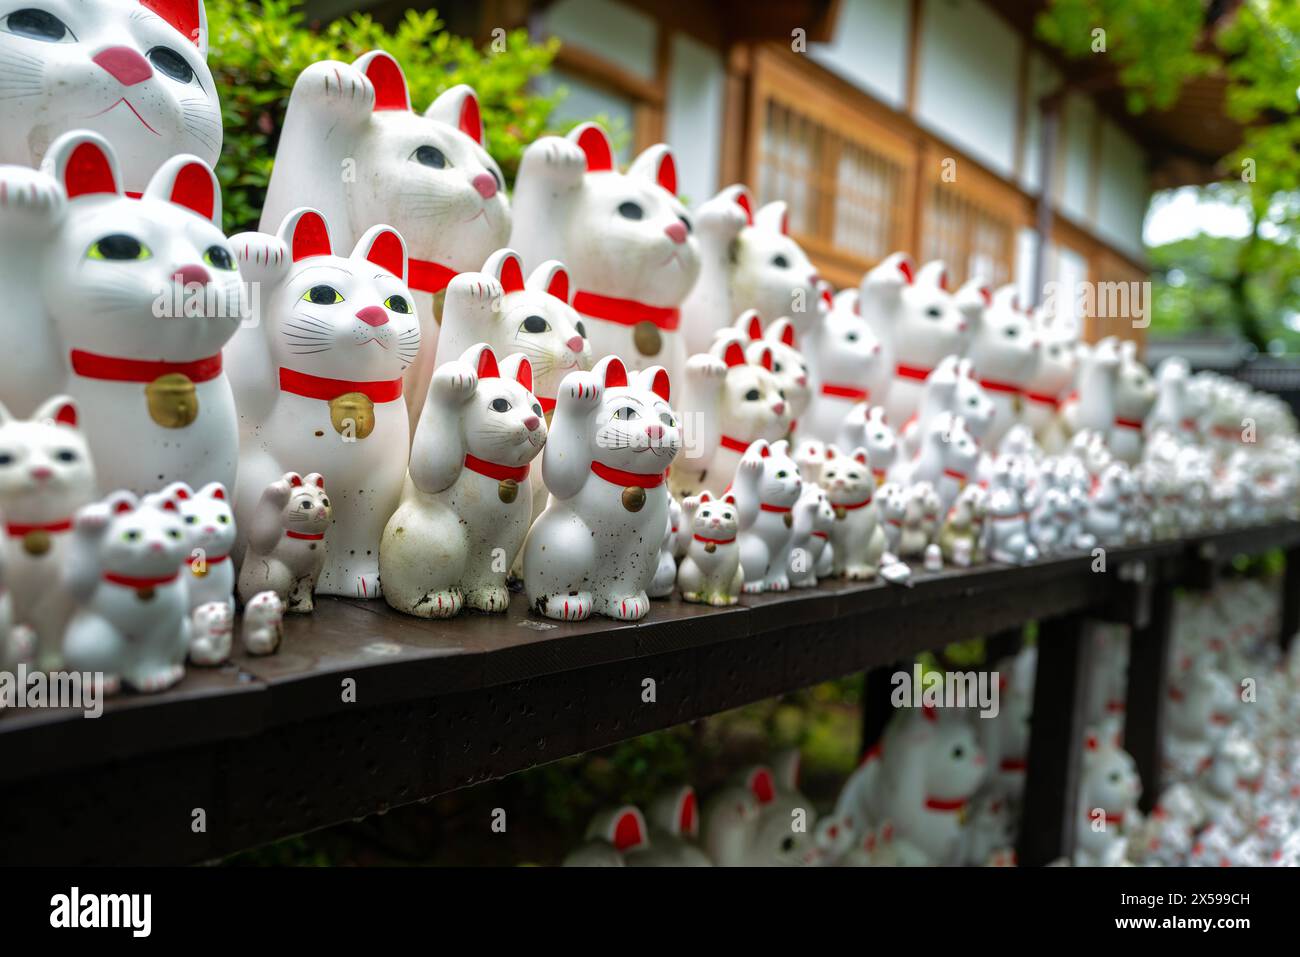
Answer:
[(468, 502), (353, 148), (319, 377), (596, 546), (140, 296)]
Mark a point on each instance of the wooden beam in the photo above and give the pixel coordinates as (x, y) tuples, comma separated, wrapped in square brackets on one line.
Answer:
[(913, 54), (594, 67)]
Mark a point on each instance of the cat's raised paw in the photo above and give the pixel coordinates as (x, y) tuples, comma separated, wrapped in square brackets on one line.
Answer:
[(631, 608), (575, 607)]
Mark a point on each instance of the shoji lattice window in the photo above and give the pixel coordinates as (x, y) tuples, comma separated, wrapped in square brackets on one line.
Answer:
[(970, 222)]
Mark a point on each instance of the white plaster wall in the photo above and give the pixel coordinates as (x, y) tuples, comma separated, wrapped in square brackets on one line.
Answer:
[(870, 47), (1076, 170), (618, 33), (1124, 191), (696, 88)]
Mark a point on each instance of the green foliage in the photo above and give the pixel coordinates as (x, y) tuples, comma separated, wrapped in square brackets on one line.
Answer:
[(258, 50)]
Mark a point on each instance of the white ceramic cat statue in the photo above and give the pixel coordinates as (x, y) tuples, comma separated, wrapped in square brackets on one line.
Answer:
[(46, 474), (320, 379), (857, 539), (142, 295), (10, 653), (1135, 395), (626, 240), (286, 541), (865, 426), (134, 73), (353, 148), (132, 612), (1108, 791), (750, 823), (811, 554), (846, 366), (766, 487), (1050, 385), (596, 546), (710, 572), (788, 364), (747, 261), (1005, 349), (732, 410), (209, 568), (467, 502)]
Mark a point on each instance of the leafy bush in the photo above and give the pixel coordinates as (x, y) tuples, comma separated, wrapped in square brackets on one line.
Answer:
[(258, 50)]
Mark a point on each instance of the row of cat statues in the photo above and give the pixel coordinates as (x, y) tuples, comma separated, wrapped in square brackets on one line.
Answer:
[(174, 403), (945, 786)]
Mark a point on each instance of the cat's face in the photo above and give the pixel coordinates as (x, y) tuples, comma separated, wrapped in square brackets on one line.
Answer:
[(627, 234), (954, 764), (715, 518), (779, 483), (503, 422), (209, 520), (810, 454), (931, 323), (143, 538), (135, 73), (1135, 389), (847, 478), (772, 273), (45, 467), (308, 511), (959, 450), (635, 428), (346, 317), (824, 515), (754, 405), (880, 440), (429, 175), (973, 404), (848, 352), (787, 362), (1111, 780), (151, 278), (1005, 345)]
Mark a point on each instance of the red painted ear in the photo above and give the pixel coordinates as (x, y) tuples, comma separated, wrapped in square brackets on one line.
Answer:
[(754, 326), (745, 203), (195, 189), (388, 252), (66, 415), (525, 374), (733, 355), (705, 497), (943, 280), (182, 14), (666, 175), (311, 237), (88, 171), (1091, 744), (761, 785), (219, 494), (785, 224), (122, 507), (320, 481), (594, 142), (487, 365), (787, 335), (905, 267), (929, 713), (296, 481), (628, 830), (828, 298), (512, 275), (729, 499), (660, 385), (987, 296), (830, 452), (763, 452), (181, 494), (170, 506), (470, 121), (765, 359), (389, 83), (615, 374), (688, 820), (559, 285), (861, 458)]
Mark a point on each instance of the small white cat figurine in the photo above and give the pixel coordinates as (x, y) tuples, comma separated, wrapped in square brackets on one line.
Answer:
[(142, 295), (46, 474), (766, 487), (132, 616), (426, 174), (596, 546), (857, 539), (209, 569), (626, 240), (810, 546), (320, 379), (135, 73), (710, 574), (286, 541), (846, 366), (467, 502), (788, 363)]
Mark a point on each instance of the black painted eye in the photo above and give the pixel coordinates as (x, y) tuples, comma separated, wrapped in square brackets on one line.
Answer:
[(497, 176), (782, 474), (582, 330), (850, 337), (305, 505), (430, 156), (934, 312), (6, 459), (132, 535), (500, 405), (631, 210), (780, 262), (958, 752), (398, 304), (627, 414), (220, 257), (172, 64), (173, 533), (191, 520), (687, 223), (752, 395), (119, 247), (66, 455), (36, 25), (223, 519), (787, 844), (323, 295), (1011, 332), (537, 409), (536, 324), (1114, 777), (776, 367), (325, 502), (667, 419)]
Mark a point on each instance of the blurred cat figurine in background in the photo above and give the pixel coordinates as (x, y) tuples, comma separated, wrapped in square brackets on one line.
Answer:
[(710, 573), (428, 175), (286, 541)]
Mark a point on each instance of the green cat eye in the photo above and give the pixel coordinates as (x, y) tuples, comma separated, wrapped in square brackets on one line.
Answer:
[(397, 304), (219, 257), (223, 519), (322, 295), (118, 247), (131, 536)]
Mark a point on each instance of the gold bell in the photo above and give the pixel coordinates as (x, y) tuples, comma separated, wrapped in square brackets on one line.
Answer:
[(788, 519), (36, 542), (647, 338), (840, 512), (634, 498), (508, 490), (199, 569), (173, 401), (353, 413), (710, 547), (146, 593)]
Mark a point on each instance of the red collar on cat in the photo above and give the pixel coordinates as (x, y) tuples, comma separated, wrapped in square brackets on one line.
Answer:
[(855, 505), (845, 391), (1043, 399), (945, 804), (495, 471), (715, 541), (422, 275), (620, 477), (912, 372), (318, 387), (132, 581), (626, 312), (113, 369), (305, 536), (735, 445), (993, 385), (1124, 423), (17, 530), (773, 508)]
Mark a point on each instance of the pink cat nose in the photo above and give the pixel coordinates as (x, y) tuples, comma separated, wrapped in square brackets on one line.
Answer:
[(575, 344), (124, 65), (42, 474), (961, 326), (531, 422), (486, 184), (156, 547), (778, 407), (372, 316), (210, 530), (803, 379), (814, 279), (676, 231), (192, 275), (654, 431)]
